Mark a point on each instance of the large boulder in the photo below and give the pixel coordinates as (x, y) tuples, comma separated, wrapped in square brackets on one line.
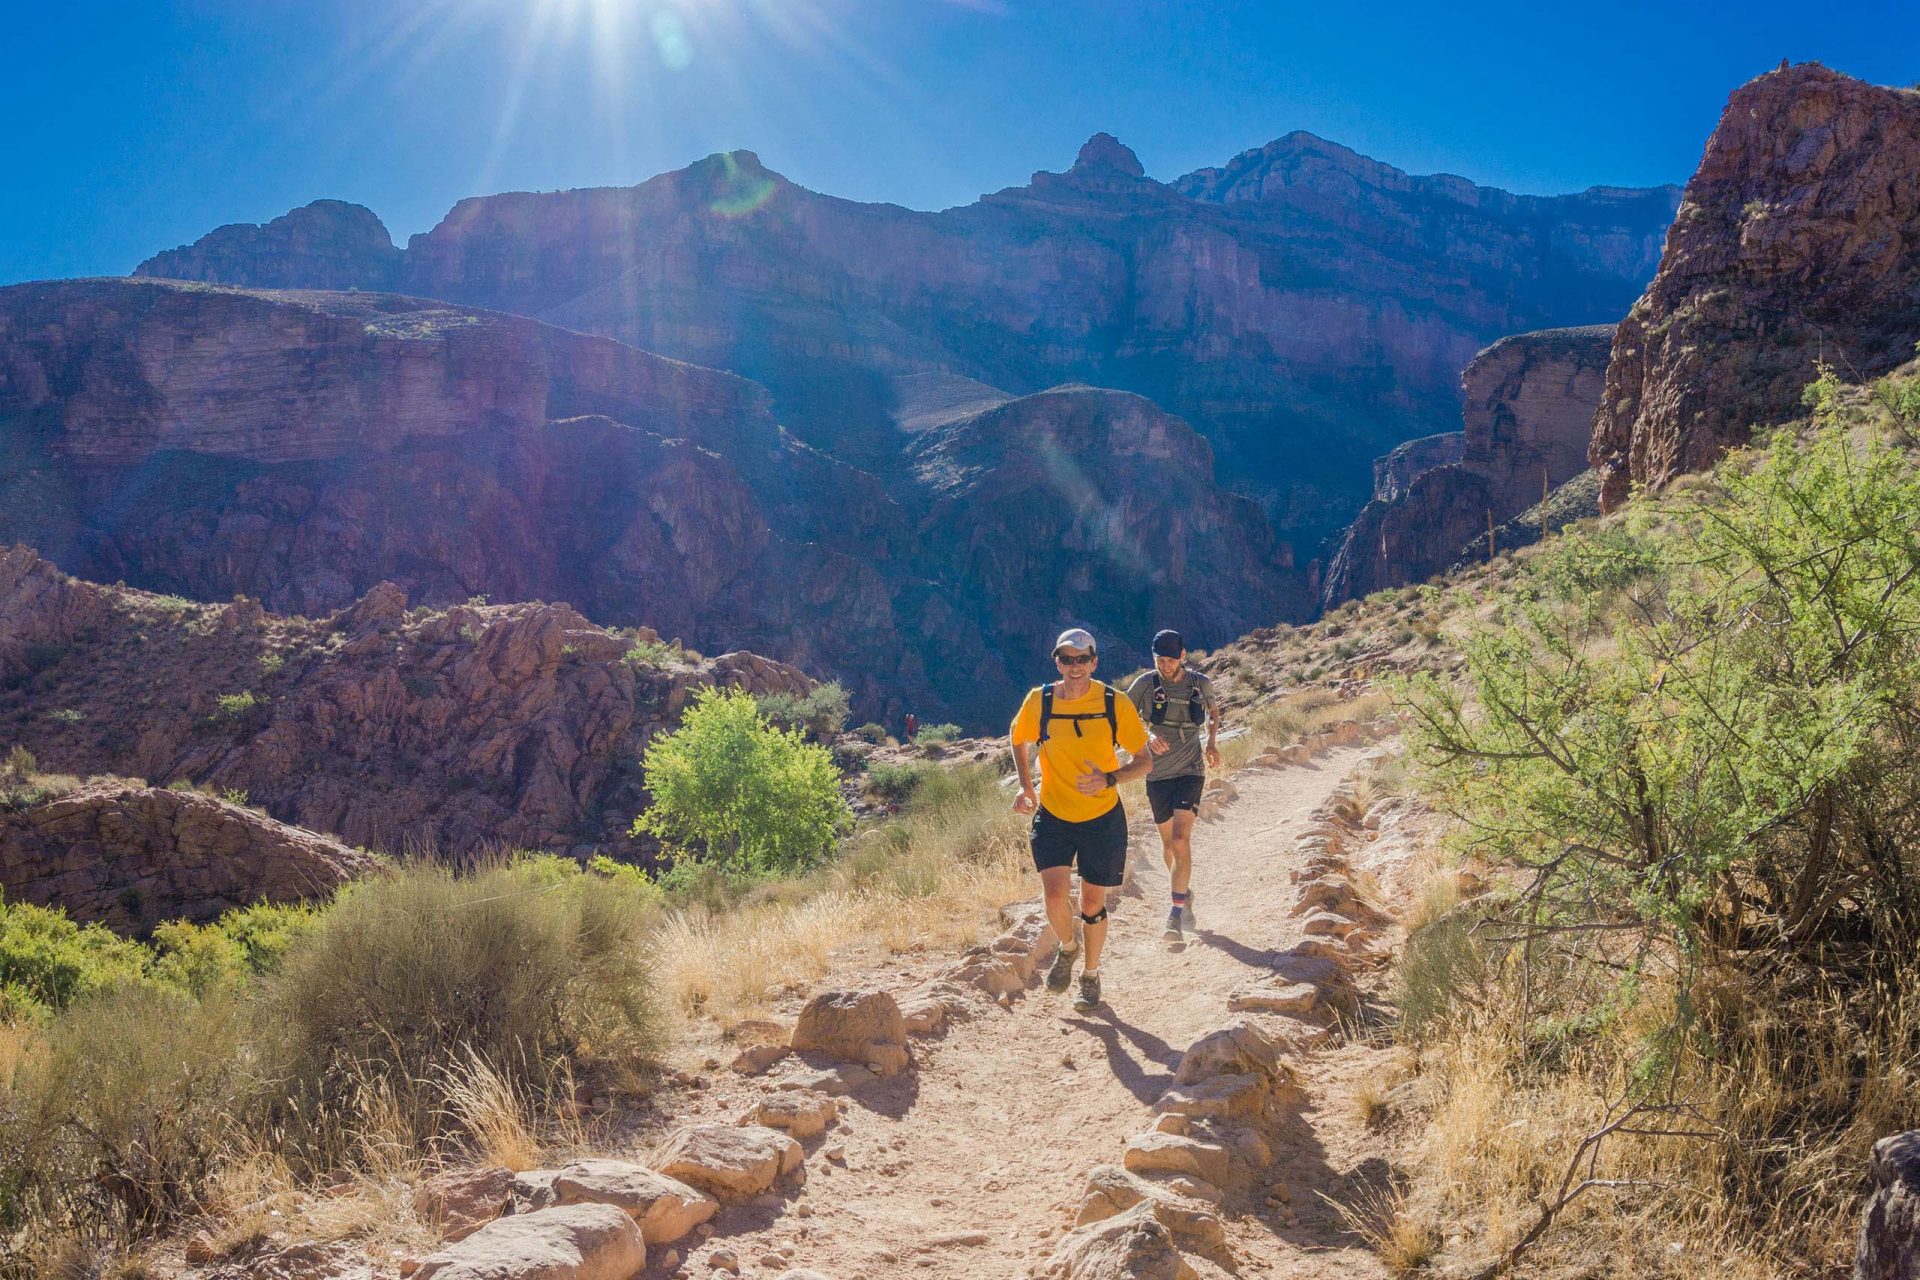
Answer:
[(1889, 1246), (130, 856), (572, 1242), (863, 1026), (731, 1162)]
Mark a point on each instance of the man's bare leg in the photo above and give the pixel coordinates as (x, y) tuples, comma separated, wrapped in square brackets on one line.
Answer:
[(1093, 898), (1056, 889)]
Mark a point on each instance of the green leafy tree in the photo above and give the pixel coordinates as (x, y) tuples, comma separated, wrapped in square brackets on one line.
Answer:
[(731, 788)]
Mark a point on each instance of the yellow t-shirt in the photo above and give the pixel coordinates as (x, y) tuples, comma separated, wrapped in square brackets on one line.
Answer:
[(1065, 755)]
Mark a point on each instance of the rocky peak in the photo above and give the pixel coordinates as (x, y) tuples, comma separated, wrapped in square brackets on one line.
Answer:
[(1104, 151), (1798, 241), (329, 244)]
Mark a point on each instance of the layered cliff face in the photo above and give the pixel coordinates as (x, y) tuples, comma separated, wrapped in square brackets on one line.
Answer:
[(1528, 416), (1304, 308), (302, 447), (1798, 242), (485, 726)]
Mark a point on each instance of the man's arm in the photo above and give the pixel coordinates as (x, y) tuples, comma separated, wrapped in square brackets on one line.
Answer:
[(1213, 728), (1023, 765)]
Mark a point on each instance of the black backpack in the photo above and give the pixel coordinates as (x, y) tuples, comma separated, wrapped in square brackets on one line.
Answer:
[(1047, 714), (1196, 709)]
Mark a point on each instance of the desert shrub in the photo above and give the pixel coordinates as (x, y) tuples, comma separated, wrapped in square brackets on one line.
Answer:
[(236, 706), (1442, 972), (271, 661), (66, 715), (196, 959), (938, 733), (653, 655), (872, 732), (410, 974), (48, 961), (118, 1115), (730, 788), (265, 932), (821, 711), (895, 782)]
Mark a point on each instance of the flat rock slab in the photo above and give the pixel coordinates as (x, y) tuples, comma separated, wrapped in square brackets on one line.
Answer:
[(665, 1207), (569, 1242), (1155, 1152), (1295, 998), (732, 1162), (835, 1082), (800, 1113)]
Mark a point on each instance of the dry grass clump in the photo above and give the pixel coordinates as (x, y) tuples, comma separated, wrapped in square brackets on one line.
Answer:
[(1384, 1218), (1287, 719), (935, 876)]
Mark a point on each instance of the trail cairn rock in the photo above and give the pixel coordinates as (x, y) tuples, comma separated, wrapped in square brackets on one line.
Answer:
[(1889, 1247), (1134, 1245), (801, 1113), (731, 1162), (863, 1026), (572, 1242), (665, 1208)]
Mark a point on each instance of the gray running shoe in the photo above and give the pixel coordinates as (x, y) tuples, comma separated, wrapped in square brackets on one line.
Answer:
[(1089, 998), (1173, 927), (1060, 976), (1186, 913)]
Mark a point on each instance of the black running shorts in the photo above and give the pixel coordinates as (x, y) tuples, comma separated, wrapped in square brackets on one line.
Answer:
[(1098, 845), (1170, 794)]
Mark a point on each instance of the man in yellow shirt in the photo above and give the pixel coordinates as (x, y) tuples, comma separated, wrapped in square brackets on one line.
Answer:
[(1077, 723)]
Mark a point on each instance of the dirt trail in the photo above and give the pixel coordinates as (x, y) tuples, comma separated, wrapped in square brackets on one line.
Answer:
[(973, 1164)]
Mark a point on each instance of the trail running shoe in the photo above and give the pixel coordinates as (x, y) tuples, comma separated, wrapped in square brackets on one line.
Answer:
[(1089, 998), (1173, 927), (1186, 913), (1060, 976)]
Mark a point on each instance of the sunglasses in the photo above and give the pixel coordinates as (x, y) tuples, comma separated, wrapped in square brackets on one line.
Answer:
[(1074, 659)]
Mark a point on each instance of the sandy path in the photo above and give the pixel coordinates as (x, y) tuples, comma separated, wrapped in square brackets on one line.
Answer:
[(972, 1165)]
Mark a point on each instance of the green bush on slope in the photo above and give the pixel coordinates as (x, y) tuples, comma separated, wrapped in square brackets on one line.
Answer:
[(1688, 738), (730, 788)]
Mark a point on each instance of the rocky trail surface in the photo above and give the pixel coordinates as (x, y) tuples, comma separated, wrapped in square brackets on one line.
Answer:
[(1167, 1134)]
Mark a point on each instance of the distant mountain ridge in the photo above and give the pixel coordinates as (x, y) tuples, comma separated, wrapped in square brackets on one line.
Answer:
[(1302, 306)]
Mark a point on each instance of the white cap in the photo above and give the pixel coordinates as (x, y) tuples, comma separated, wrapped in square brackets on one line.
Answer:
[(1074, 638)]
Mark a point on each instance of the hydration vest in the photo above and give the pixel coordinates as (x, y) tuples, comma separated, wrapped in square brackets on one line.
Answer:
[(1196, 709), (1047, 714)]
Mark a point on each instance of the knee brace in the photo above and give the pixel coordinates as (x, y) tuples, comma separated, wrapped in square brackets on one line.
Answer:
[(1095, 918)]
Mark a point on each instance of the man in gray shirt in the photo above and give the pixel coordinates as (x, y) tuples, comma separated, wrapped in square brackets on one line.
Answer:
[(1177, 703)]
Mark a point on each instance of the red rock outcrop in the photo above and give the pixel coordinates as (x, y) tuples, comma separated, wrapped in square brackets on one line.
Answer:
[(1395, 471), (1798, 242), (1530, 402), (459, 730), (1101, 506), (131, 856), (1303, 307)]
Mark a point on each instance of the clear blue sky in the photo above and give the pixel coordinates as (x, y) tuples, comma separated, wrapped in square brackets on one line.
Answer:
[(132, 127)]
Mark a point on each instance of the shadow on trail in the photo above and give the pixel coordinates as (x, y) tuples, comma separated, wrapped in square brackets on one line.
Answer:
[(1145, 1076), (1260, 958)]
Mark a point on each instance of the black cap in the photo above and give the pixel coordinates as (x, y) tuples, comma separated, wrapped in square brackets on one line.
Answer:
[(1168, 644)]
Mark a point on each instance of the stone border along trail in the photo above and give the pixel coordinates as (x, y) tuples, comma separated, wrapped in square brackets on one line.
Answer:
[(975, 1126)]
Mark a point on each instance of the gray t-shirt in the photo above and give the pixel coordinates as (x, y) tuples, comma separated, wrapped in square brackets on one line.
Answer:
[(1185, 758)]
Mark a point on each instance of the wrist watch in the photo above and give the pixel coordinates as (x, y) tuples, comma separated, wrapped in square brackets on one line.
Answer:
[(1109, 777)]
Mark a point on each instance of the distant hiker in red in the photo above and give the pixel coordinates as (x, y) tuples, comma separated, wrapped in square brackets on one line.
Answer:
[(1077, 723), (912, 726)]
